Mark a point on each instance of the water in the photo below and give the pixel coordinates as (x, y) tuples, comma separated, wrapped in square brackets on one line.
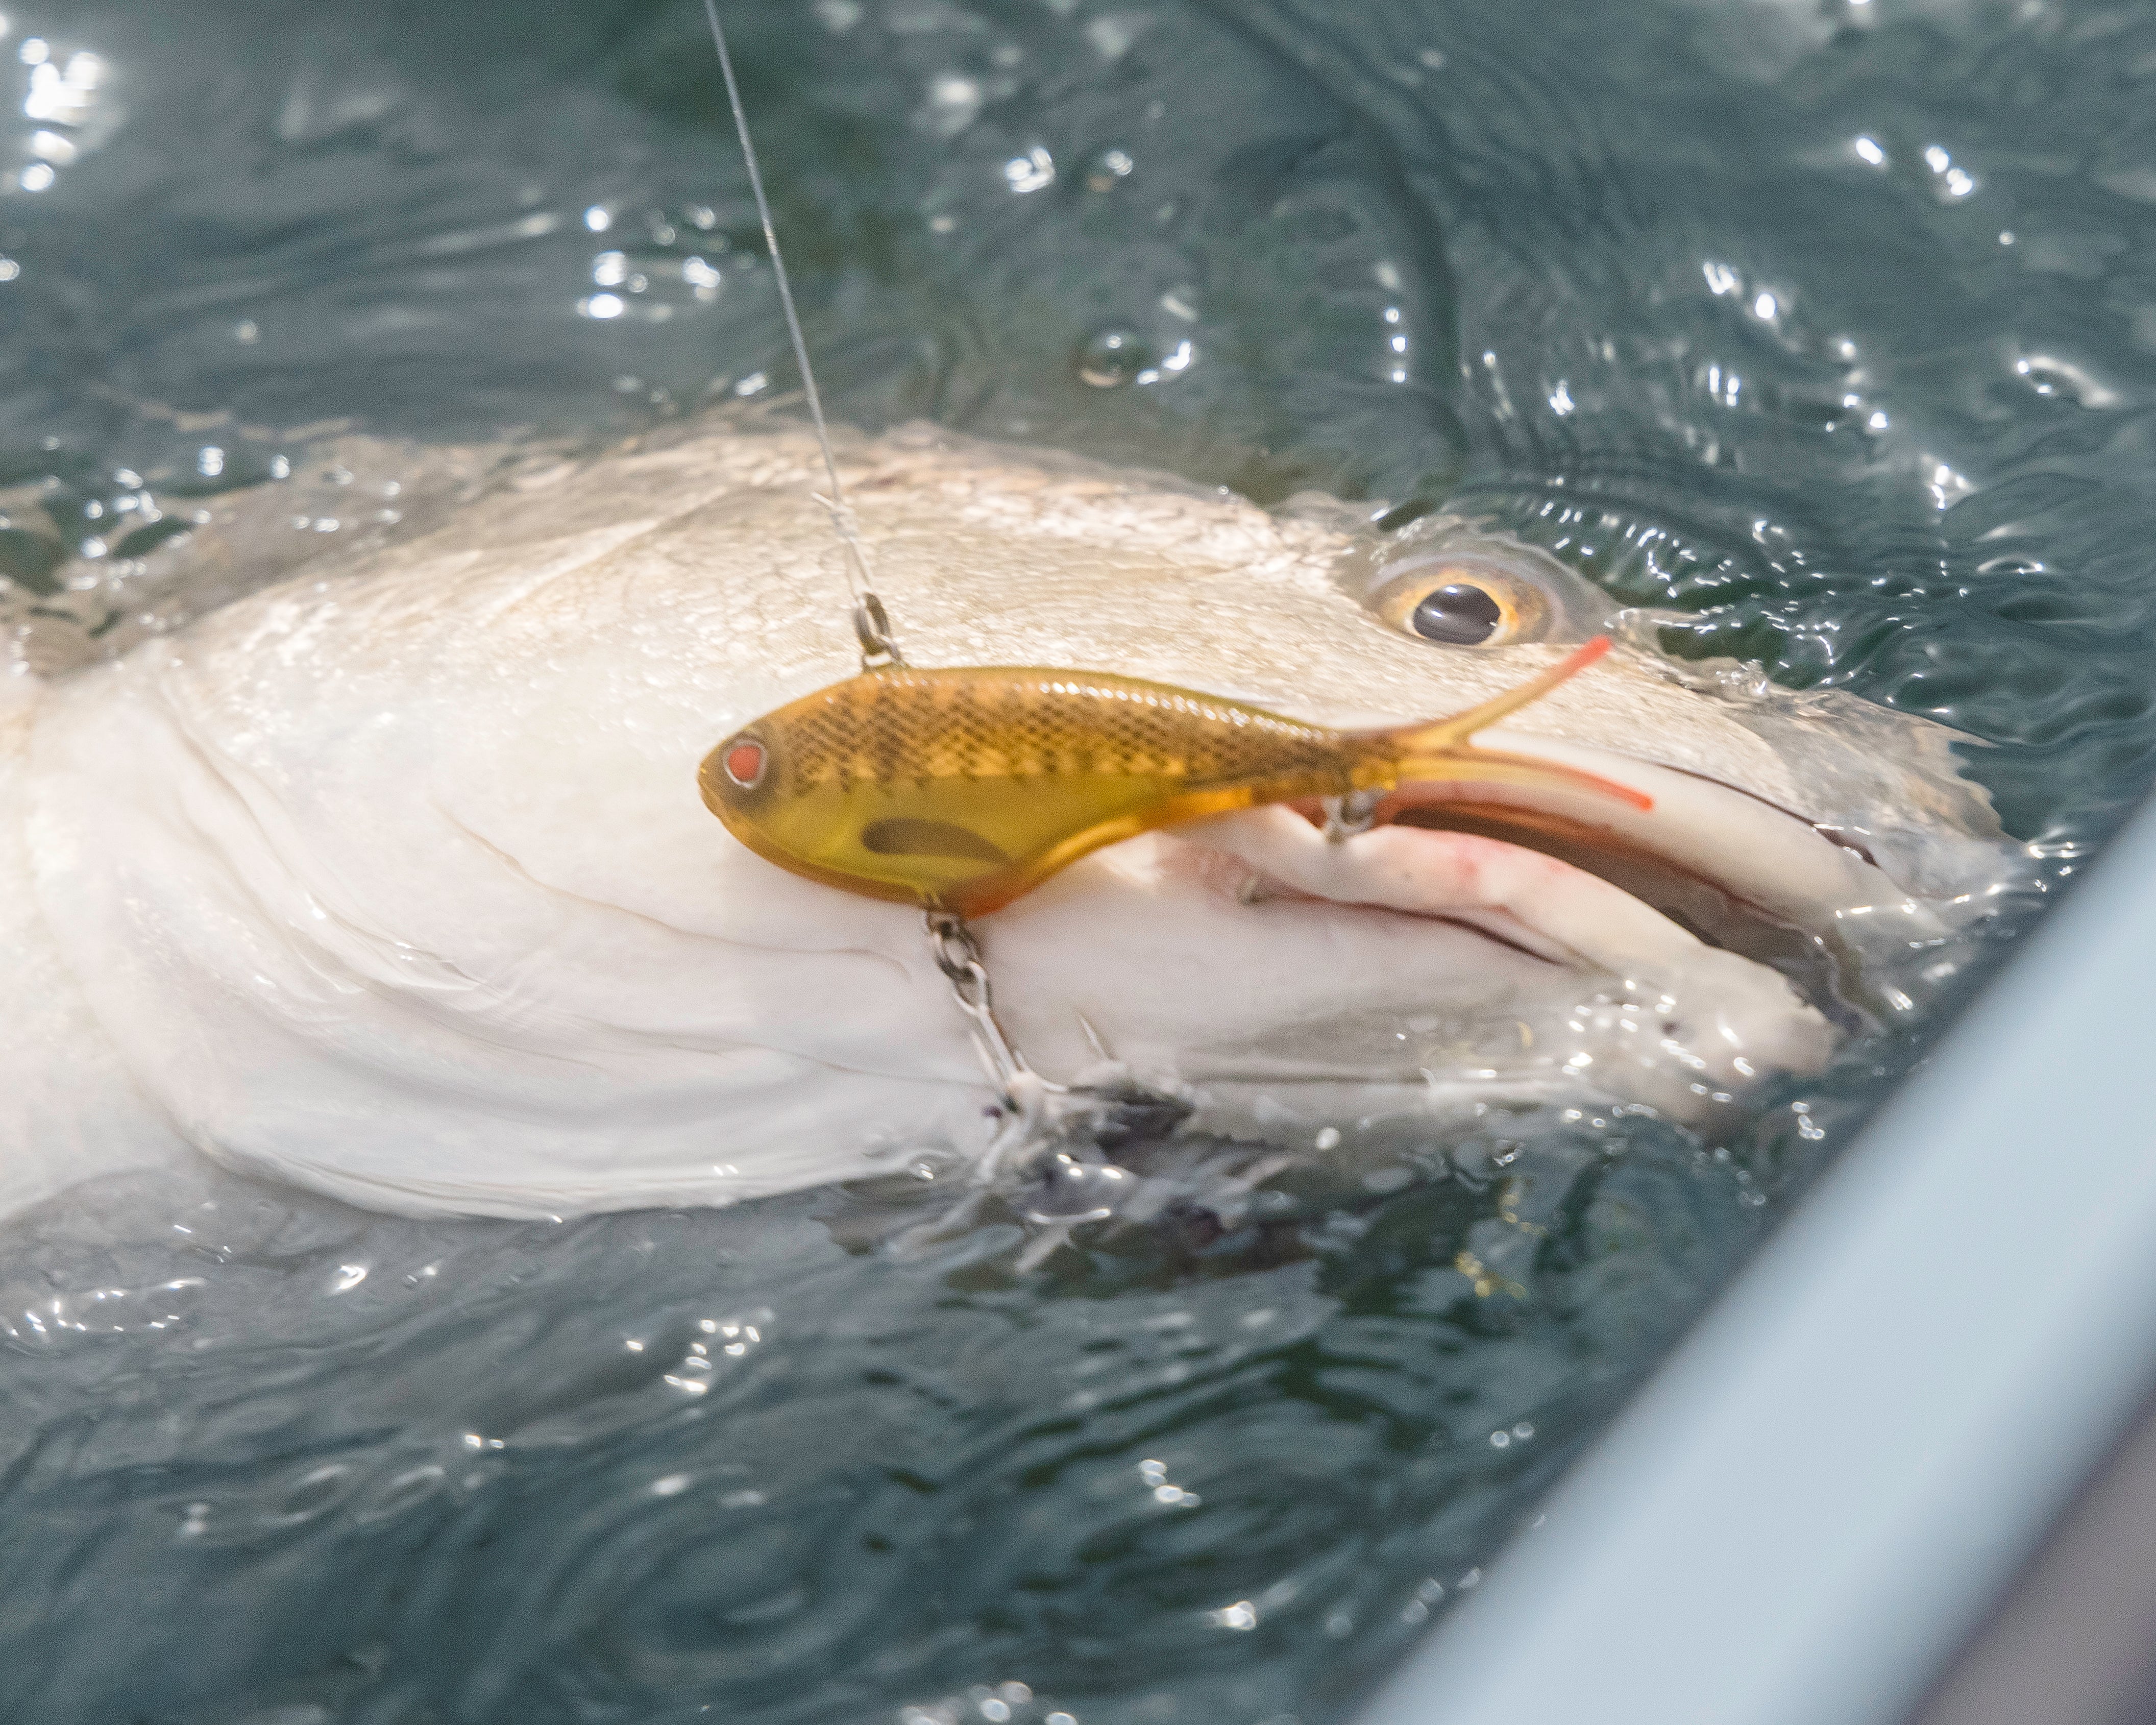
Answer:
[(1829, 329)]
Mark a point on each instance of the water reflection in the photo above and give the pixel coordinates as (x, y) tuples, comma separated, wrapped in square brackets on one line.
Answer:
[(63, 96), (1820, 339)]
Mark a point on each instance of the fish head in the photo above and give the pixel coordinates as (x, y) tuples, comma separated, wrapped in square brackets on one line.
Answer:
[(398, 880)]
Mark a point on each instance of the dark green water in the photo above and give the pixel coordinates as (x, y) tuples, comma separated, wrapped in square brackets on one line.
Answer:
[(1832, 327)]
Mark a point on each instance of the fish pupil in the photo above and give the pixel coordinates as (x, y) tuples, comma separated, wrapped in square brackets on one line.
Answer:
[(1458, 614)]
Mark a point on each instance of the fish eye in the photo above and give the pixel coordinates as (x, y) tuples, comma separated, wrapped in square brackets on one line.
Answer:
[(1461, 612), (1461, 605), (1447, 582)]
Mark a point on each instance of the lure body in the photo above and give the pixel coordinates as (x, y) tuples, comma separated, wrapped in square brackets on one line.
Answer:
[(961, 789)]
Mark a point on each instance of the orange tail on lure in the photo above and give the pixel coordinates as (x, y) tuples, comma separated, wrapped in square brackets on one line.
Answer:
[(961, 789)]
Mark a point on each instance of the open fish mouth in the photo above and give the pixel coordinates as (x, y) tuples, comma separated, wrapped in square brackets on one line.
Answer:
[(1736, 871), (1672, 955)]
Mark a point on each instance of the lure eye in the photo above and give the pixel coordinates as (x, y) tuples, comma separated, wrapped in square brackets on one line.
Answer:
[(744, 761), (1459, 604)]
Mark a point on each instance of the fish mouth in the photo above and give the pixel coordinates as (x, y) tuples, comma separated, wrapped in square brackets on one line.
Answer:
[(1712, 911), (1708, 907), (1738, 872)]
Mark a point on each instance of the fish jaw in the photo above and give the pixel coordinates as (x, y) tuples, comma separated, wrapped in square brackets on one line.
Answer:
[(1811, 880), (1526, 975)]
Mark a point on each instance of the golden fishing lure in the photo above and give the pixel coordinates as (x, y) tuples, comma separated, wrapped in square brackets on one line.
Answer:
[(958, 790)]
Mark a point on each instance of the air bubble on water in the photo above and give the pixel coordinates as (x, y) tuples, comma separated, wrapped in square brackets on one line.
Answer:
[(1033, 171), (1111, 357), (1074, 1191), (953, 102), (1107, 169)]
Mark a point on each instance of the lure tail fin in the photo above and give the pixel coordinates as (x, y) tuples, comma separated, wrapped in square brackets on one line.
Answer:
[(1450, 733), (1446, 749)]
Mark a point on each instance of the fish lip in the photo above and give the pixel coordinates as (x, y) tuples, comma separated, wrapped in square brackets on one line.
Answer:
[(1784, 866), (1602, 838), (1618, 961), (1703, 907)]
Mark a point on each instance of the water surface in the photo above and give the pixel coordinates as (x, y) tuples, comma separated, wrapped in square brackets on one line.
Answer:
[(1827, 329)]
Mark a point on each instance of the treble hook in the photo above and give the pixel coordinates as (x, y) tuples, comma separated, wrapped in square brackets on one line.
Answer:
[(1041, 1114)]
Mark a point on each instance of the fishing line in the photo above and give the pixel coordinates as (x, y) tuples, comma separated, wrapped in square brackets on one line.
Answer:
[(956, 952), (871, 624)]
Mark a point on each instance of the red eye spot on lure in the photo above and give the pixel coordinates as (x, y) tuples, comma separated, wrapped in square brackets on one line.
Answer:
[(744, 763)]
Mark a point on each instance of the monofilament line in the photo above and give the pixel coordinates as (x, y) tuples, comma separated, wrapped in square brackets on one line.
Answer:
[(871, 624)]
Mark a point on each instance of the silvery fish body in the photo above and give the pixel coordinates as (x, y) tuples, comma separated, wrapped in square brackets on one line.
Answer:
[(394, 879)]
